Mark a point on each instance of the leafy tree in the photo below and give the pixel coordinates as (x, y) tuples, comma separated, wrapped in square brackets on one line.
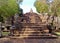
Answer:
[(19, 1), (8, 8), (56, 7), (41, 7)]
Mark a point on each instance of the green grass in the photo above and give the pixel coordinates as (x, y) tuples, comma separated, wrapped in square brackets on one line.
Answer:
[(57, 33), (5, 33)]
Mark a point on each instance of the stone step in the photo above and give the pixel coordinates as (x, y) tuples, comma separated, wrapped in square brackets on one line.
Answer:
[(34, 37), (34, 34), (38, 37), (29, 31), (25, 35), (34, 25), (34, 29)]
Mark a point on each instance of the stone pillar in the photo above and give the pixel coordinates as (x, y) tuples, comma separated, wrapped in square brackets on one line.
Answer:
[(6, 24), (0, 29)]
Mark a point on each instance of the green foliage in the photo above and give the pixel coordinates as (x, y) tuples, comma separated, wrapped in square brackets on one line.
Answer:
[(20, 1), (1, 18), (56, 7), (58, 12), (41, 7), (8, 8)]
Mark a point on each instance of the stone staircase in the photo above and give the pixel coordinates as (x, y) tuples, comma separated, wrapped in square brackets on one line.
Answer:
[(32, 30)]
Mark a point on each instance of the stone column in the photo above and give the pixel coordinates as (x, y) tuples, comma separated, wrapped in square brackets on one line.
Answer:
[(0, 29)]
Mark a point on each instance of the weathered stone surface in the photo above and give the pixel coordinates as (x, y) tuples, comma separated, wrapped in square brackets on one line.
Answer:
[(30, 40)]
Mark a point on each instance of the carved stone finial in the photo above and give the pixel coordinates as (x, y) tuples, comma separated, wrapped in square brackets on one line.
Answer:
[(31, 11)]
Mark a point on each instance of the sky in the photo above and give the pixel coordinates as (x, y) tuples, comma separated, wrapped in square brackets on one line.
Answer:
[(27, 5)]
